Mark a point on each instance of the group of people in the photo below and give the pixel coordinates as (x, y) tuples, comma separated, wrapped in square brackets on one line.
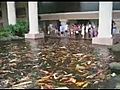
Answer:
[(77, 30), (88, 30), (85, 31)]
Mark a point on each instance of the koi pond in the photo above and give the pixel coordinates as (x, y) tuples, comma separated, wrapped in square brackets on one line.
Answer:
[(55, 63)]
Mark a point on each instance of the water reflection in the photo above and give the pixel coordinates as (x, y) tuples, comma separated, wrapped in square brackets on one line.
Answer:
[(33, 44)]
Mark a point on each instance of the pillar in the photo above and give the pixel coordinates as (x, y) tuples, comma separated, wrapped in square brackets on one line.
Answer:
[(105, 22), (63, 21), (11, 12), (33, 21)]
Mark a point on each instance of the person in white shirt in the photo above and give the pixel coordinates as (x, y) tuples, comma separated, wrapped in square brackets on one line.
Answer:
[(50, 28), (62, 30), (91, 32), (86, 30), (83, 30), (66, 29)]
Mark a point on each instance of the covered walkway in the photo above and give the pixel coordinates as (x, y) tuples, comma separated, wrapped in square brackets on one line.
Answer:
[(105, 16)]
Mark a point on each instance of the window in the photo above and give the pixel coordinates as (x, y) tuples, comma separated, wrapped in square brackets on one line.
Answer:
[(20, 12)]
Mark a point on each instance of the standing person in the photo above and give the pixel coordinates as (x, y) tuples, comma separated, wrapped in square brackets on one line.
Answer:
[(112, 27), (61, 30), (66, 29), (86, 31), (79, 29), (76, 31), (115, 30), (58, 27), (91, 32), (71, 30), (95, 32), (56, 32), (50, 28), (83, 30)]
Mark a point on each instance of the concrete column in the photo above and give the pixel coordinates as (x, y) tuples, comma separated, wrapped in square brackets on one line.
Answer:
[(11, 12), (4, 13), (63, 21), (105, 19), (33, 21), (105, 22)]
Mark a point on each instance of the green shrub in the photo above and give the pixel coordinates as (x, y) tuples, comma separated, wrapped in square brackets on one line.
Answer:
[(19, 29), (9, 29), (4, 33)]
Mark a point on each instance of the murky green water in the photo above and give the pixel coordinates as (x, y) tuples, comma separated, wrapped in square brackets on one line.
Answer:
[(23, 58)]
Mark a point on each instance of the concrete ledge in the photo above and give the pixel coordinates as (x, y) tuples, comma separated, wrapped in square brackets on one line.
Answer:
[(34, 36), (102, 41)]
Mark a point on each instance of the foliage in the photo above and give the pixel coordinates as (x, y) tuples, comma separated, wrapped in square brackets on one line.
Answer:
[(19, 29), (4, 33)]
